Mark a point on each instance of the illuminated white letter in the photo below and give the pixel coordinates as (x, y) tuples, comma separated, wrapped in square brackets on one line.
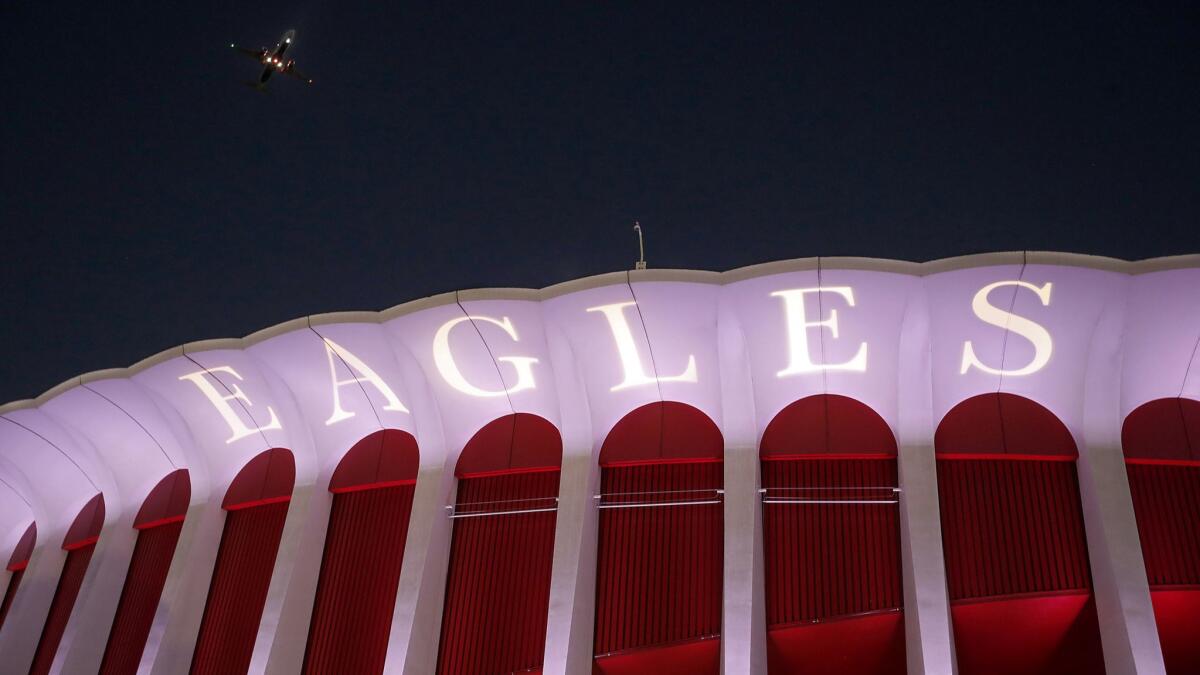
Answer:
[(800, 359), (221, 403), (1040, 337), (635, 375), (365, 374), (454, 377)]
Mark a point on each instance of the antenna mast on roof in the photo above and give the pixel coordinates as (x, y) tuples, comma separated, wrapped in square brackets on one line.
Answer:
[(641, 263)]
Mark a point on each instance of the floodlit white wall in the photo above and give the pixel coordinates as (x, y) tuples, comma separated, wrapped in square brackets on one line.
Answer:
[(909, 340)]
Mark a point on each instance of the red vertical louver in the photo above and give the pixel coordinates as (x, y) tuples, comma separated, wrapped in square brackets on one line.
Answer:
[(159, 522), (16, 565), (831, 540), (1014, 543), (69, 583), (498, 585), (10, 592), (352, 612), (238, 590), (373, 489), (659, 559), (139, 598), (502, 549), (1011, 527), (79, 543), (1161, 440), (257, 505)]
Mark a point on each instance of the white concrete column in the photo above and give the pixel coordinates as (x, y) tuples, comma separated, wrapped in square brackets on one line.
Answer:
[(571, 617), (291, 631), (181, 608), (744, 616), (417, 619), (928, 630), (744, 610), (31, 606), (83, 643), (1128, 631), (281, 578)]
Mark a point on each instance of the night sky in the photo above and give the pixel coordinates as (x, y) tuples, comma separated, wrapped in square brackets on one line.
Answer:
[(150, 199)]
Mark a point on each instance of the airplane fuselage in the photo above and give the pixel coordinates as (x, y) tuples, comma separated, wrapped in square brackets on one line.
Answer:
[(273, 60)]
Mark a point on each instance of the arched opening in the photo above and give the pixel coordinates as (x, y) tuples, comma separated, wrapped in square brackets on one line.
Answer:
[(372, 488), (502, 548), (831, 540), (79, 544), (17, 563), (1013, 536), (1161, 441), (159, 522), (256, 506), (659, 559)]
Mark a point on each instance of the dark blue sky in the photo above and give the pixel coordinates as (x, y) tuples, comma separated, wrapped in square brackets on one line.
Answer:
[(149, 199)]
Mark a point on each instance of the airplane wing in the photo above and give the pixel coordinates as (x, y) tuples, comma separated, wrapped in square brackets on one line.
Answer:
[(255, 54), (291, 70)]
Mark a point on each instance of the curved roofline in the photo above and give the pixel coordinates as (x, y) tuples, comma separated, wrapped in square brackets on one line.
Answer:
[(970, 261)]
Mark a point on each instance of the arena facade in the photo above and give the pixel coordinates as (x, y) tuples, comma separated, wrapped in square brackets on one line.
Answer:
[(987, 464)]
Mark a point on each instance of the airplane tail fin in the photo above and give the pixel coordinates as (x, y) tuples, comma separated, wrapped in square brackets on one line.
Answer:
[(257, 86)]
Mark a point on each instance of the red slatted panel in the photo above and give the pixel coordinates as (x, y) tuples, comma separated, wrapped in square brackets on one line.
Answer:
[(498, 585), (238, 589), (1011, 527), (9, 593), (1161, 441), (1166, 500), (659, 568), (139, 598), (360, 571), (69, 582), (830, 560)]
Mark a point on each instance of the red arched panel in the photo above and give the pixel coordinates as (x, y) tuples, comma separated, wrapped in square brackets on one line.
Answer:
[(16, 565), (386, 458), (660, 552), (662, 431), (24, 549), (831, 540), (266, 479), (1003, 424), (372, 490), (1013, 537), (167, 502), (1161, 440), (159, 522), (79, 543), (517, 442), (1163, 429), (827, 424), (256, 507), (85, 529), (502, 549)]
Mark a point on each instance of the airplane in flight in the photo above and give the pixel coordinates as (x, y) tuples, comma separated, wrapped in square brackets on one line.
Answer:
[(273, 61)]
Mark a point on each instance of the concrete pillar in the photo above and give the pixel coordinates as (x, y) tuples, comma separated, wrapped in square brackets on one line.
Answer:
[(417, 619), (744, 611), (31, 606), (744, 620), (571, 617), (1128, 631), (295, 616), (181, 608), (928, 631), (83, 643)]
